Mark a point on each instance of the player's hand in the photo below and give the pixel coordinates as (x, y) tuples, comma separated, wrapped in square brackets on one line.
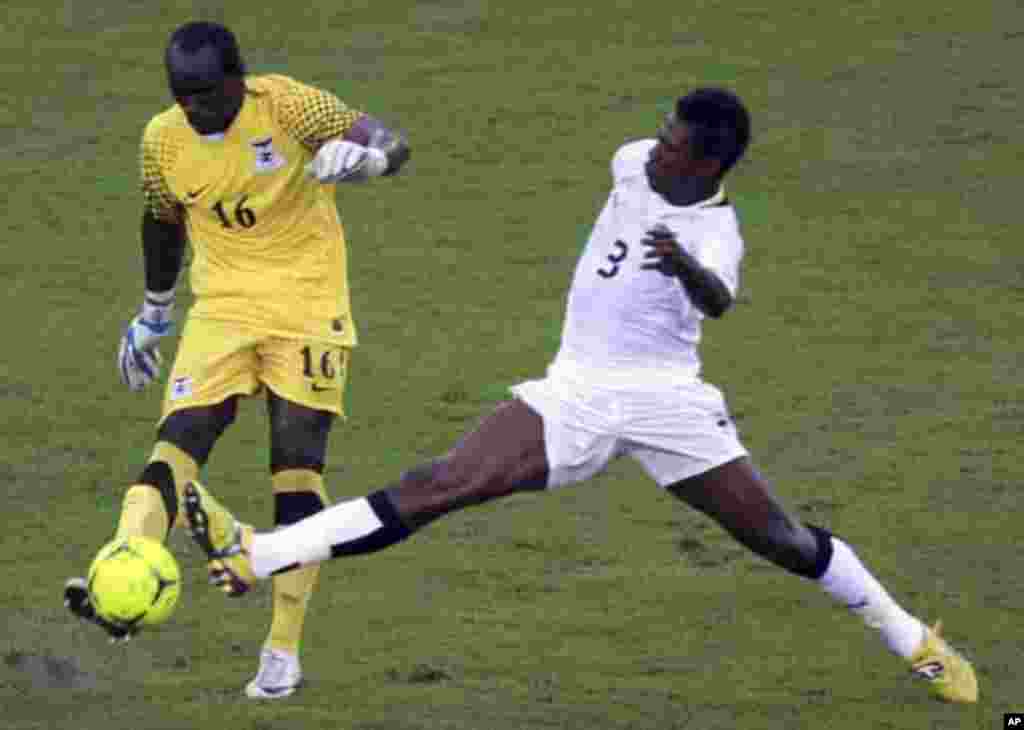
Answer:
[(138, 357), (668, 256), (342, 161)]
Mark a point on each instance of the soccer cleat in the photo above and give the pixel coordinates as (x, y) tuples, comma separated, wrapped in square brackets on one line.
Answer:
[(222, 537), (279, 676), (76, 600), (950, 676)]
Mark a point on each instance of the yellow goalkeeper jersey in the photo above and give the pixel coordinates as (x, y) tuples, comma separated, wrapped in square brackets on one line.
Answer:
[(268, 245)]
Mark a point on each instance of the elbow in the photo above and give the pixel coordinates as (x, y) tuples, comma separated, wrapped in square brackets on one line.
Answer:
[(717, 306)]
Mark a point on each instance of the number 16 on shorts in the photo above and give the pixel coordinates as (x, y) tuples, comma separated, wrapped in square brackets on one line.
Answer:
[(324, 367)]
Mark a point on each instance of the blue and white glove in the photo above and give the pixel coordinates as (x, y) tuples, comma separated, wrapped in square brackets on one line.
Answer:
[(342, 161), (138, 358)]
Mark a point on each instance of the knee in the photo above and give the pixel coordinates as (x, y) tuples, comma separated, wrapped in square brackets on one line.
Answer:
[(196, 430), (299, 441)]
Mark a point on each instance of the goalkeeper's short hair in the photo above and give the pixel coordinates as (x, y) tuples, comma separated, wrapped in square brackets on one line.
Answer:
[(192, 36)]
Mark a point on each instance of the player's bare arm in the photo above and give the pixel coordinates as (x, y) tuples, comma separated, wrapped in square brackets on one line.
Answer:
[(163, 249), (706, 290)]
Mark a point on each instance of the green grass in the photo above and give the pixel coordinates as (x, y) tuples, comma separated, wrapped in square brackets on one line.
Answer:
[(873, 364)]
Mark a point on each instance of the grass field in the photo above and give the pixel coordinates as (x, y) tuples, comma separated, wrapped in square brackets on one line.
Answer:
[(873, 363)]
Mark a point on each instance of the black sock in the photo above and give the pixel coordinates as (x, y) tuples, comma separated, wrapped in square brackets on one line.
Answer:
[(290, 507), (158, 475), (391, 531), (824, 540)]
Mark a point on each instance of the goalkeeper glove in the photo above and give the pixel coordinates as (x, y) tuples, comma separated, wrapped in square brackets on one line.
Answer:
[(138, 358), (342, 161)]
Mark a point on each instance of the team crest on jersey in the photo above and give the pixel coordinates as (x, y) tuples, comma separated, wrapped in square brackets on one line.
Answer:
[(181, 388), (267, 158)]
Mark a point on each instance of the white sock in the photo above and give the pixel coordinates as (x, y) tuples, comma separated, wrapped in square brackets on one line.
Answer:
[(310, 540), (849, 582)]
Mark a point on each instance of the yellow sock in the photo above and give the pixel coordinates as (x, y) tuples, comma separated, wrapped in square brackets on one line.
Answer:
[(143, 511), (292, 590), (183, 466)]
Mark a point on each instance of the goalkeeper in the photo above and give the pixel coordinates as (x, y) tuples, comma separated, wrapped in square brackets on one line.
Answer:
[(244, 167)]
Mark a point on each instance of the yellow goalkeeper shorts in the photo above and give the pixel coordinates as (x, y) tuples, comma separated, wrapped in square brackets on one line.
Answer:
[(218, 359)]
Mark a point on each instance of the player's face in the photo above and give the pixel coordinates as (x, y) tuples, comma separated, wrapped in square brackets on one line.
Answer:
[(209, 98), (208, 109), (671, 158)]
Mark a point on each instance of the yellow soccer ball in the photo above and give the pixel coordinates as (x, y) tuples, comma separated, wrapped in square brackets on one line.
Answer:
[(134, 581)]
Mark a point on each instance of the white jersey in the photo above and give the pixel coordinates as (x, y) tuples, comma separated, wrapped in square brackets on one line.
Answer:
[(623, 320)]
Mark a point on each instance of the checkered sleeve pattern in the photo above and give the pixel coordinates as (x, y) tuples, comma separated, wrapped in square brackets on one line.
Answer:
[(155, 156), (313, 116)]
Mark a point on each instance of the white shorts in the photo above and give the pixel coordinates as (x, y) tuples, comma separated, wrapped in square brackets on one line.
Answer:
[(674, 430)]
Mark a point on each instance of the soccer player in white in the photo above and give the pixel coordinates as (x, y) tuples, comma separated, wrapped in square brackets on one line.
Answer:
[(664, 253)]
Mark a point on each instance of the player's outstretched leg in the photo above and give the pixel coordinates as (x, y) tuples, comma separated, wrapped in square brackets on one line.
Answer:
[(504, 455), (739, 500), (223, 538)]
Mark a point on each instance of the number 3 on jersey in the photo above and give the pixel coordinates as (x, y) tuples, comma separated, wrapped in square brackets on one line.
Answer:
[(621, 251)]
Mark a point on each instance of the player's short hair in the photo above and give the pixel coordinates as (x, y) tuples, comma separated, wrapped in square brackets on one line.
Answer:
[(197, 34), (719, 124)]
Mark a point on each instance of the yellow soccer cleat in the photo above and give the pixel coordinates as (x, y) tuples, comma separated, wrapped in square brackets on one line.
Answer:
[(223, 538), (950, 676)]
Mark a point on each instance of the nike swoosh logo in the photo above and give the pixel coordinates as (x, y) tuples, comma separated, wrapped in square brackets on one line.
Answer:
[(196, 193)]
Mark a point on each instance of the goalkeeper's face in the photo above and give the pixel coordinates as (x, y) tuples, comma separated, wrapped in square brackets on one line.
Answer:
[(209, 97)]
